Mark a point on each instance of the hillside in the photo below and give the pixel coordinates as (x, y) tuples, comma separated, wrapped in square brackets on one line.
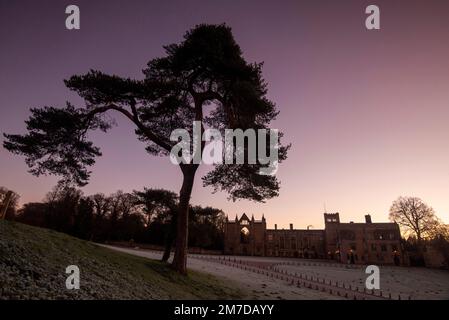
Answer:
[(33, 262)]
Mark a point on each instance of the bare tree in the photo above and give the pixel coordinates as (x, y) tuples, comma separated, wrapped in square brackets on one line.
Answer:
[(414, 216), (101, 205)]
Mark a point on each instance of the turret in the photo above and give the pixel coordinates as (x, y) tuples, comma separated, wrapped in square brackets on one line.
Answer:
[(331, 218)]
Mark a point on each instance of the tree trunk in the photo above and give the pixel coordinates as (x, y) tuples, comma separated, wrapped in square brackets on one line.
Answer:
[(180, 259), (170, 238), (4, 206), (167, 249)]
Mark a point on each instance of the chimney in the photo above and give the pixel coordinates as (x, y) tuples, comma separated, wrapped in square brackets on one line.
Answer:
[(368, 218), (275, 226), (291, 226)]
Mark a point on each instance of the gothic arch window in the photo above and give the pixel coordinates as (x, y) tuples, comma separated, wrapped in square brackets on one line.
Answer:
[(244, 235)]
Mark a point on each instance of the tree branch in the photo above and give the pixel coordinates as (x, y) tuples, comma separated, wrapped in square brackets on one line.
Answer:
[(133, 117)]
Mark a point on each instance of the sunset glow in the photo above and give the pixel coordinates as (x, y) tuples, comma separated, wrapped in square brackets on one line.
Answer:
[(366, 112)]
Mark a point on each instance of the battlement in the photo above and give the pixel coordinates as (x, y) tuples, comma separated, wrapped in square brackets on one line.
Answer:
[(331, 218)]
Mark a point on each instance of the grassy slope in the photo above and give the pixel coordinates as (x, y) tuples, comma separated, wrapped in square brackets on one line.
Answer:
[(33, 262)]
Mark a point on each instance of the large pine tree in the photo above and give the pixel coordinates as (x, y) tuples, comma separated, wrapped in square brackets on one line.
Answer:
[(205, 70)]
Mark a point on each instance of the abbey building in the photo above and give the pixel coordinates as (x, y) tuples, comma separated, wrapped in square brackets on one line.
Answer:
[(360, 243)]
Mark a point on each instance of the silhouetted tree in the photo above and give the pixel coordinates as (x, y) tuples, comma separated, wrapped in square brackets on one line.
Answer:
[(12, 205), (440, 241), (161, 204), (414, 216), (206, 228), (101, 211), (156, 203), (62, 206), (84, 219), (121, 207), (206, 69), (33, 213)]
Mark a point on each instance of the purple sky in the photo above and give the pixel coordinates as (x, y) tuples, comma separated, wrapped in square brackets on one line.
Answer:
[(366, 111)]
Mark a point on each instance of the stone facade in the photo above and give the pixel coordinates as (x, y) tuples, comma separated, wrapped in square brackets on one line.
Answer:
[(360, 243)]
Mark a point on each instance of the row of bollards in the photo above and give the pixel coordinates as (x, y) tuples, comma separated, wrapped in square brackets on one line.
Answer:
[(283, 275)]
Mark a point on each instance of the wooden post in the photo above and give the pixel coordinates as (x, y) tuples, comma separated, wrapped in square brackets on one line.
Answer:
[(5, 205)]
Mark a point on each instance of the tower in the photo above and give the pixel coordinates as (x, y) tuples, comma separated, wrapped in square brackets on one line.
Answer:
[(332, 244)]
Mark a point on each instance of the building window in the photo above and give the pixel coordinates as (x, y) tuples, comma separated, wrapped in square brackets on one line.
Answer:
[(347, 235), (244, 235), (383, 247), (373, 247), (270, 237), (384, 235), (282, 244)]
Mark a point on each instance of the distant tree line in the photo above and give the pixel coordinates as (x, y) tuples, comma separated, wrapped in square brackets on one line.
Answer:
[(149, 216), (146, 216)]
